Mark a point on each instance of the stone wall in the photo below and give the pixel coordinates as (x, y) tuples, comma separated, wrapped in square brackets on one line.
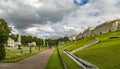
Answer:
[(100, 29)]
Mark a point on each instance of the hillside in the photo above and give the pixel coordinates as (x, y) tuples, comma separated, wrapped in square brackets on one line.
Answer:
[(77, 44), (106, 53)]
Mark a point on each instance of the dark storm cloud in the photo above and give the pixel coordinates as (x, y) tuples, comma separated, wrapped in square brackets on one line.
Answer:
[(58, 18), (24, 16)]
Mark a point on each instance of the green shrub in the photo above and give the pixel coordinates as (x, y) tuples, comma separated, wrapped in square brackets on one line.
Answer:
[(4, 33)]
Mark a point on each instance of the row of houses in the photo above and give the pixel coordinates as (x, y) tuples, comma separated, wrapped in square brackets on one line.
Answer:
[(12, 43), (100, 29)]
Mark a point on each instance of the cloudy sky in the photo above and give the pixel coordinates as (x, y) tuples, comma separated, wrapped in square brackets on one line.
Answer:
[(57, 18)]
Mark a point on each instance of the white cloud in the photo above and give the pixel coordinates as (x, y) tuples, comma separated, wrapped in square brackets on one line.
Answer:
[(1, 11), (35, 3), (57, 18)]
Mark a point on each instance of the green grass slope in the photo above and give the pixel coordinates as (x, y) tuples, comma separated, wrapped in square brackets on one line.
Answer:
[(77, 44), (105, 54)]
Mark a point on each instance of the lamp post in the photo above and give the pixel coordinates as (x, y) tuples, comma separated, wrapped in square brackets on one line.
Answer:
[(30, 49), (39, 47)]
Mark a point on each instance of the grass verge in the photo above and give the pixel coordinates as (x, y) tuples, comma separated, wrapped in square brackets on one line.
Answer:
[(68, 61), (55, 61)]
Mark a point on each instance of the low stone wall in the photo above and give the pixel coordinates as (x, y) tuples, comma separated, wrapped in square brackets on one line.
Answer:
[(64, 64), (80, 62)]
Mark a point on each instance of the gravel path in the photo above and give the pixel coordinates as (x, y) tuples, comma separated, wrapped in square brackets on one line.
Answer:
[(38, 61)]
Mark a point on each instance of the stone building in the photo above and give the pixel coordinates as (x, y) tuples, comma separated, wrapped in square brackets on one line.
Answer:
[(92, 32), (114, 25), (73, 37), (86, 33), (100, 29), (107, 27), (79, 36), (11, 42), (32, 44), (103, 28)]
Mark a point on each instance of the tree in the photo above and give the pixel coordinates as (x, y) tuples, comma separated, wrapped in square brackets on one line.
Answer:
[(13, 36), (28, 39), (4, 34), (52, 42), (65, 39)]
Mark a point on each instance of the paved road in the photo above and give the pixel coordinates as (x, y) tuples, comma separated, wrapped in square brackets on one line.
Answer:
[(38, 61)]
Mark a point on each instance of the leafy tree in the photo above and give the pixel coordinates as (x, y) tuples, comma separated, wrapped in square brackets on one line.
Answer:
[(52, 42), (28, 39), (14, 37), (4, 34), (65, 39), (38, 41)]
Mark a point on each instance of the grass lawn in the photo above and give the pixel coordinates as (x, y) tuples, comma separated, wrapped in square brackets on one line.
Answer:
[(69, 62), (67, 44), (12, 53), (105, 54), (15, 55), (77, 44), (55, 61)]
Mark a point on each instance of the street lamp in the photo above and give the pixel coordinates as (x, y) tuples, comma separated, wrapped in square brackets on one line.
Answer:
[(30, 49)]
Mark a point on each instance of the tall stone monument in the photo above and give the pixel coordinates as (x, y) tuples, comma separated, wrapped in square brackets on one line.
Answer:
[(19, 42), (44, 43)]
